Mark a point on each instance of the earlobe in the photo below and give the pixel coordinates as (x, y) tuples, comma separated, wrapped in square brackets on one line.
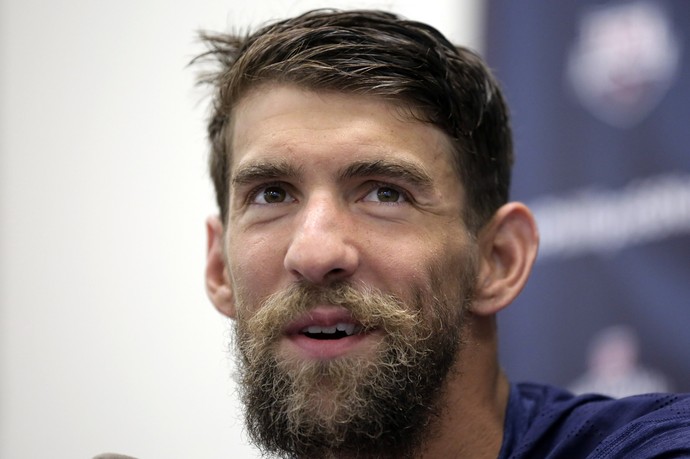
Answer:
[(508, 247), (217, 280)]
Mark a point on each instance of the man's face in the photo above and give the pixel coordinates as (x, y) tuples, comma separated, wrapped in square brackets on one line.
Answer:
[(350, 268)]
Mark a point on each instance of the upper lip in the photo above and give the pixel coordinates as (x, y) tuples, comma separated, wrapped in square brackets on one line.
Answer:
[(322, 316)]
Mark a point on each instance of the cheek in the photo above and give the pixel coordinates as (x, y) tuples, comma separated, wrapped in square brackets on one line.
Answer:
[(402, 266), (429, 265), (255, 265)]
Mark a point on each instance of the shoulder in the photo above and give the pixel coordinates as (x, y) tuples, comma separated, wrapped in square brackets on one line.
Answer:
[(546, 421)]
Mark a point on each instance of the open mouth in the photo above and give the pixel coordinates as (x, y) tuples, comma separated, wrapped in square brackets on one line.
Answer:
[(337, 331), (327, 332)]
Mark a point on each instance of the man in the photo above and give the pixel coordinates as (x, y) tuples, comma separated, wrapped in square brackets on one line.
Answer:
[(365, 243)]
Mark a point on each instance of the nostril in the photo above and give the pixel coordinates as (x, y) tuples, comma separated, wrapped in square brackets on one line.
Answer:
[(335, 274)]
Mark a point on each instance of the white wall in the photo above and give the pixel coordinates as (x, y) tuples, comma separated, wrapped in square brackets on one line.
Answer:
[(107, 341)]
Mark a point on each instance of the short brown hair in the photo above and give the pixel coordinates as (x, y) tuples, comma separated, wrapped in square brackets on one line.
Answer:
[(371, 53)]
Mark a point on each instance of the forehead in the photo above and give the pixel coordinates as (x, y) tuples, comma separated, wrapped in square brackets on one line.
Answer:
[(288, 122)]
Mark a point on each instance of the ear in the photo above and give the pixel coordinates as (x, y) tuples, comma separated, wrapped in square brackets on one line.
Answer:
[(508, 246), (217, 279)]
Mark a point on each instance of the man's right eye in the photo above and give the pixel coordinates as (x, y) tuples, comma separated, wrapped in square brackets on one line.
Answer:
[(272, 194)]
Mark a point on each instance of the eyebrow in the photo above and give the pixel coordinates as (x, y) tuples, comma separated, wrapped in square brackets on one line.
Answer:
[(398, 169), (264, 171)]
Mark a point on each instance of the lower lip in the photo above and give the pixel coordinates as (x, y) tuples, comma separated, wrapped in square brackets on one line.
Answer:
[(325, 349)]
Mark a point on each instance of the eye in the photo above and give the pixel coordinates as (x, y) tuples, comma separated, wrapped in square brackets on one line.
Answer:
[(385, 194), (271, 194)]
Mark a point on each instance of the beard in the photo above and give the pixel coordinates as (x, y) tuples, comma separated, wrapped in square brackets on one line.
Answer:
[(361, 406)]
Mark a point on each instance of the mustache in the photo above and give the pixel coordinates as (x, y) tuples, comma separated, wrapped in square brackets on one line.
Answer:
[(370, 307)]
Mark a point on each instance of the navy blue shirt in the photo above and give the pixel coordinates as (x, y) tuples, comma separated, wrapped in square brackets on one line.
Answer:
[(547, 422)]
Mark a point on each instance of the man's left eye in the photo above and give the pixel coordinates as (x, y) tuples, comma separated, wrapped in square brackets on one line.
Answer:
[(385, 194), (272, 194)]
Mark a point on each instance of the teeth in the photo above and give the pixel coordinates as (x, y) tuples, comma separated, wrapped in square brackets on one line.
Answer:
[(313, 329), (348, 328)]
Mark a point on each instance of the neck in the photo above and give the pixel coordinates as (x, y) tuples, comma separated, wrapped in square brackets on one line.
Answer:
[(474, 402)]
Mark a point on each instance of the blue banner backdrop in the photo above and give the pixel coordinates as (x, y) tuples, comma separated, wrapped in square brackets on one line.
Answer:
[(600, 97)]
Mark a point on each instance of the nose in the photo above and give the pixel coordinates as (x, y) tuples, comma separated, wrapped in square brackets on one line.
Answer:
[(321, 250)]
